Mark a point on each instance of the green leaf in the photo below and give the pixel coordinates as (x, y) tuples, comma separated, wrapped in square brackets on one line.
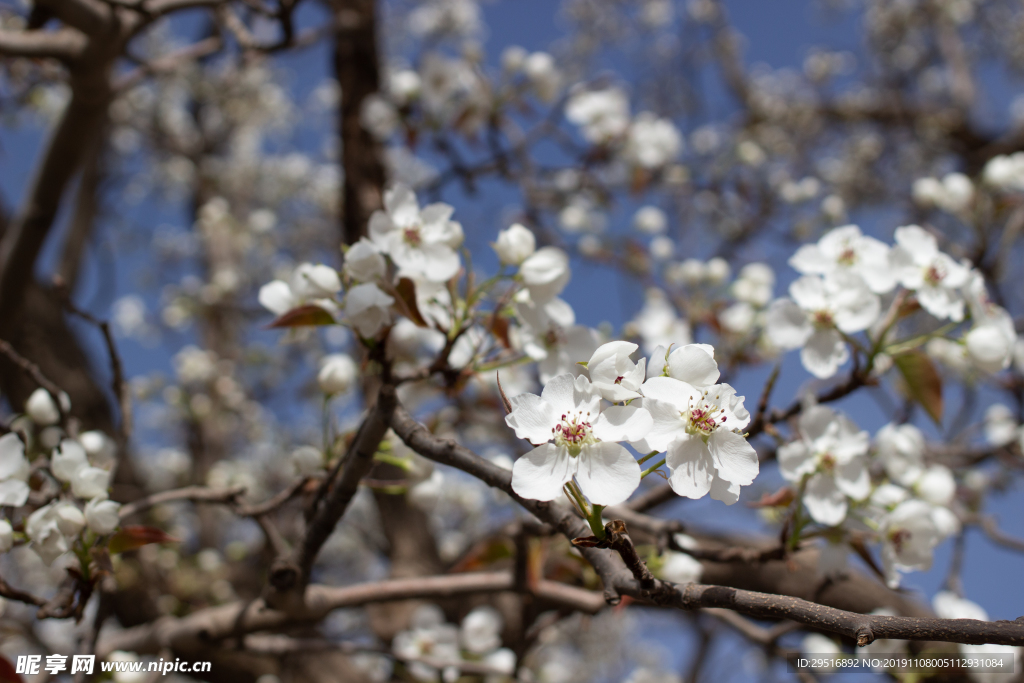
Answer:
[(923, 382), (304, 316)]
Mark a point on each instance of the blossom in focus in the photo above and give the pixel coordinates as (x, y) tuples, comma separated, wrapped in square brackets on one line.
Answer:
[(613, 374), (575, 438), (933, 275), (422, 243), (831, 454), (819, 310), (700, 429)]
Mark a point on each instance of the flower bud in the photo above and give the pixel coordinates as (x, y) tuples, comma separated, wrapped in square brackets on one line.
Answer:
[(101, 516), (307, 460), (337, 372), (41, 408), (515, 244)]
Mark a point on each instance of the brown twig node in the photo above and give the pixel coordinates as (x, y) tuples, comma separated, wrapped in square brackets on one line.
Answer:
[(617, 539)]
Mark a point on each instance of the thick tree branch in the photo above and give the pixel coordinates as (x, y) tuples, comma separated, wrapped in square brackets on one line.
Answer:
[(196, 631), (65, 44)]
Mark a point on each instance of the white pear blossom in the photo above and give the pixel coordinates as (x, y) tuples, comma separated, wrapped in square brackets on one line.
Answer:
[(543, 75), (933, 275), (100, 448), (700, 428), (936, 485), (991, 342), (428, 637), (1005, 172), (680, 568), (821, 308), (613, 374), (6, 536), (755, 284), (309, 284), (545, 273), (14, 471), (601, 114), (847, 249), (658, 323), (575, 439), (337, 373), (41, 408), (70, 464), (548, 334), (364, 262), (830, 453), (909, 536), (307, 460), (50, 527), (652, 142), (480, 632), (650, 220), (367, 308), (422, 243), (954, 193), (515, 244), (900, 448), (101, 516), (1001, 426)]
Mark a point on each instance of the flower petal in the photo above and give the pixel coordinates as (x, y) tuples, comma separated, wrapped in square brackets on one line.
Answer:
[(13, 492), (825, 502), (735, 459), (693, 365), (540, 474), (725, 491), (532, 418), (607, 473), (623, 423), (672, 391), (787, 325), (852, 478), (691, 466), (823, 353)]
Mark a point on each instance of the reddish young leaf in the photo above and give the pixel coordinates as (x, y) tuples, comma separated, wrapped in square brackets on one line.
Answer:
[(406, 299), (132, 537), (304, 316), (781, 498), (923, 381)]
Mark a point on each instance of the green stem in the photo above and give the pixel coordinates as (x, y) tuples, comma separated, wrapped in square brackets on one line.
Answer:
[(577, 496), (647, 457), (652, 468), (595, 521)]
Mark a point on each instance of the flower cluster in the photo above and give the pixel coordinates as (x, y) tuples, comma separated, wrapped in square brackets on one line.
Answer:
[(672, 405), (74, 477), (846, 274)]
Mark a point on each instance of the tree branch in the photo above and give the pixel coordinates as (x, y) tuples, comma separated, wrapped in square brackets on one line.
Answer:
[(65, 44)]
